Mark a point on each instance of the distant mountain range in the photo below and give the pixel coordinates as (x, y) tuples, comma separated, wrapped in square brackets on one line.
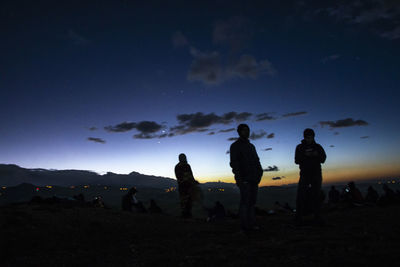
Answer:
[(11, 175)]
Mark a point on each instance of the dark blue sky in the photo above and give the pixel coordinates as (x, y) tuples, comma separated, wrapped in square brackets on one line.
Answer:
[(126, 85)]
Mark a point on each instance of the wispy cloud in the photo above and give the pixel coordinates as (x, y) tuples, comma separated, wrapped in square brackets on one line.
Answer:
[(198, 122), (259, 135), (381, 16), (293, 114), (267, 149), (273, 168), (349, 122), (227, 130), (96, 140), (264, 117)]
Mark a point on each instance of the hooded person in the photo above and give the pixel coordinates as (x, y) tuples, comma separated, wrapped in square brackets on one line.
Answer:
[(309, 155), (248, 172), (187, 185)]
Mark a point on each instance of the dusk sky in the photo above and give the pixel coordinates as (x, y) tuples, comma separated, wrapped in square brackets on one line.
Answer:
[(126, 86)]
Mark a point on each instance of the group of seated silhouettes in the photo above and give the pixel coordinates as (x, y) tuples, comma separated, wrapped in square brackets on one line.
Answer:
[(352, 195)]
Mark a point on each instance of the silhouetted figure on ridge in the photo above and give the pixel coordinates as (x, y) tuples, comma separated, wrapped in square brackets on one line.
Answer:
[(309, 155), (216, 213), (372, 196), (354, 195), (154, 208), (389, 197), (248, 172), (333, 195), (129, 200), (287, 207), (187, 185)]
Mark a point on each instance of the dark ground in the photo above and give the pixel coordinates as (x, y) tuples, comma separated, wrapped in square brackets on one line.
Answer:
[(50, 235)]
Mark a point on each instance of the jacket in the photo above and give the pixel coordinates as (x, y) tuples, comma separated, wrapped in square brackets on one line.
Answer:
[(184, 174), (306, 157), (245, 162)]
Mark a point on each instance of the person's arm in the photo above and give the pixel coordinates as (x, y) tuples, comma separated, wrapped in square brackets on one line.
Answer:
[(260, 169), (234, 159), (322, 155), (298, 156)]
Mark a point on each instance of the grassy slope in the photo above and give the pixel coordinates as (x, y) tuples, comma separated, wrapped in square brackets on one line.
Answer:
[(49, 235)]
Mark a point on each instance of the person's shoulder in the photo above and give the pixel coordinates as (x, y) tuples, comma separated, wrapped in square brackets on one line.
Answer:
[(235, 143), (318, 145)]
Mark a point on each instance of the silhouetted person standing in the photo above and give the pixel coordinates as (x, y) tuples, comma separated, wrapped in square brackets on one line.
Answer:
[(186, 185), (248, 172), (309, 155)]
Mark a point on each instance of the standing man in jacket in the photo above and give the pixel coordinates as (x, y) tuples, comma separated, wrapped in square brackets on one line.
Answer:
[(309, 156), (186, 185), (248, 172)]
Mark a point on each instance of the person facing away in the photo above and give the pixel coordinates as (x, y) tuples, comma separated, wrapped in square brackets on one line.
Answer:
[(186, 185), (334, 195), (309, 155), (372, 196), (248, 172), (129, 200)]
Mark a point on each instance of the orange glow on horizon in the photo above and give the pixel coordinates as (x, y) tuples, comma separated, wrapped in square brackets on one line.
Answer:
[(329, 175)]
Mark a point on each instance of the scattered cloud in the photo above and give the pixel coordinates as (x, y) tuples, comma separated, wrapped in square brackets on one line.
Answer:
[(267, 149), (271, 169), (234, 32), (198, 122), (144, 136), (147, 127), (381, 16), (271, 135), (96, 140), (364, 137), (227, 130), (349, 122), (259, 135), (206, 67), (179, 40), (122, 127), (264, 117), (248, 67), (293, 114)]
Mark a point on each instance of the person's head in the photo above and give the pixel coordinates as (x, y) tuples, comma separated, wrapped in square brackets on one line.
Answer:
[(309, 135), (351, 185), (132, 191), (182, 158), (243, 130)]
